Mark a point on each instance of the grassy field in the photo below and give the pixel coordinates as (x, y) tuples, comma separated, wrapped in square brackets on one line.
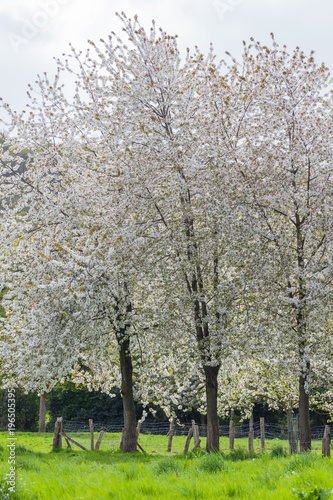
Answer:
[(108, 473)]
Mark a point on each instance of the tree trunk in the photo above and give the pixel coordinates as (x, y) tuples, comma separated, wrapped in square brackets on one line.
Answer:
[(129, 440), (42, 412), (211, 373), (304, 417), (304, 411)]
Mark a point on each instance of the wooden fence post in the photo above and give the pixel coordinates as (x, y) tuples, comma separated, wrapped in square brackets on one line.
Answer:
[(66, 438), (170, 433), (196, 438), (91, 427), (326, 444), (99, 440), (231, 431), (188, 440), (42, 412), (121, 439), (292, 431), (251, 432), (262, 432), (74, 442), (57, 443), (138, 428)]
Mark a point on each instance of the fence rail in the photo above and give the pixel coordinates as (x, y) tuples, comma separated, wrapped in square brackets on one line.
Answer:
[(272, 431)]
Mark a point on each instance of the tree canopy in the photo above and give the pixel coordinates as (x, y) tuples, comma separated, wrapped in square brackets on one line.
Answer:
[(171, 230)]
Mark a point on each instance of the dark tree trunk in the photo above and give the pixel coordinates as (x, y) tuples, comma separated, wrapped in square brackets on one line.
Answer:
[(211, 373), (304, 412), (195, 286), (42, 413), (304, 417), (129, 439)]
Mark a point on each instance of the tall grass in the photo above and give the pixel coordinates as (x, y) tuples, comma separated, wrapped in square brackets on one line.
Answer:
[(108, 473)]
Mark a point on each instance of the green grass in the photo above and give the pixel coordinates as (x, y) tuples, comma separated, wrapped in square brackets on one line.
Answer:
[(108, 473)]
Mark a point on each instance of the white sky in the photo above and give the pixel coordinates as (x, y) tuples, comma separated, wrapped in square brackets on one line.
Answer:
[(32, 32)]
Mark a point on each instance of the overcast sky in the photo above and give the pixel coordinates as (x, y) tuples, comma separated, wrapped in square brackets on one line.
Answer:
[(32, 32)]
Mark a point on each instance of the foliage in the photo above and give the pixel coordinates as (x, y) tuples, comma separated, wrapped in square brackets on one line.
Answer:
[(315, 494), (80, 404), (2, 310), (26, 410)]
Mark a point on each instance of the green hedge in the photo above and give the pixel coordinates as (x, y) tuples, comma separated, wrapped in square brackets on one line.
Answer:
[(26, 411)]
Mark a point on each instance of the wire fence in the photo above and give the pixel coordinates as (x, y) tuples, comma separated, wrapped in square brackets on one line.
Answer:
[(272, 431)]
